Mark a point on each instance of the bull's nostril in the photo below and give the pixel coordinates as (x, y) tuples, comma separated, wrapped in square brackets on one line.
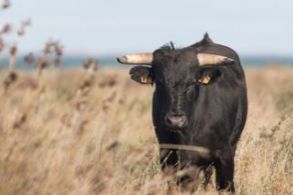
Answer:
[(168, 120)]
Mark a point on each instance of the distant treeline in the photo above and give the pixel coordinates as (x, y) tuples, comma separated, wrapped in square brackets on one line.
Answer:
[(110, 61)]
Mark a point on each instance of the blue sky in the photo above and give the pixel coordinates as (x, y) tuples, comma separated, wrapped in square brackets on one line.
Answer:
[(98, 27)]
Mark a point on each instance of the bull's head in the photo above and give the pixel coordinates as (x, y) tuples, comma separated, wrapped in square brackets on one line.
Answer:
[(177, 74)]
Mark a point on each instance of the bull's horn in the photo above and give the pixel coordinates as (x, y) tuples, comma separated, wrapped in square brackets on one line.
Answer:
[(136, 58), (213, 59)]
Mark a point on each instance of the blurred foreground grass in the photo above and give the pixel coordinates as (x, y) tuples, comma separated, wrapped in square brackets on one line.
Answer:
[(74, 133)]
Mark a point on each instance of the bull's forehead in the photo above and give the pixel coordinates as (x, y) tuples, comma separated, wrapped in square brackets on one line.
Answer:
[(179, 66), (186, 56)]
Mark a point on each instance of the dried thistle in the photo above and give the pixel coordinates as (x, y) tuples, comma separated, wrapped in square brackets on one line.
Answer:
[(85, 87), (29, 107), (57, 61), (48, 47), (11, 78), (58, 49), (90, 64), (42, 63), (6, 4), (13, 50), (12, 58), (6, 29), (53, 48), (24, 25), (29, 58)]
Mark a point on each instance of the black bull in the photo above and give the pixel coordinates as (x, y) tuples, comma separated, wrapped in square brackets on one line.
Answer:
[(199, 106)]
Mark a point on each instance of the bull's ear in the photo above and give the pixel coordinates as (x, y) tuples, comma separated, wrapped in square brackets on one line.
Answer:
[(207, 76), (141, 74)]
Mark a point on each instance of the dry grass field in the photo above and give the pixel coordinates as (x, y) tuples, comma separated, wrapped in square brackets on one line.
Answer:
[(79, 133)]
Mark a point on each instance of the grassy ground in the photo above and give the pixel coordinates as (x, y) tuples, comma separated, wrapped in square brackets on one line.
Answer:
[(76, 133)]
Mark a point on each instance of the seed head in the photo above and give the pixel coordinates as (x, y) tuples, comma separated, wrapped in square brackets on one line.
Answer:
[(6, 29), (58, 49), (12, 77), (24, 25), (29, 58), (13, 50), (6, 4), (42, 63), (90, 64)]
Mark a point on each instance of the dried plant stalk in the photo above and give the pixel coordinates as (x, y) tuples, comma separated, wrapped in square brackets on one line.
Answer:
[(12, 57)]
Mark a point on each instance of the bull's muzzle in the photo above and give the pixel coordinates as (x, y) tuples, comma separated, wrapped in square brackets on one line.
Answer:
[(176, 121)]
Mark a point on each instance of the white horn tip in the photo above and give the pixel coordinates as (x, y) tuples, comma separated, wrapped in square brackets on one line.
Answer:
[(122, 60), (228, 61), (213, 59)]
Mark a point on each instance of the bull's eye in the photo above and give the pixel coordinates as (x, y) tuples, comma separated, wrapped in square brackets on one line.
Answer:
[(160, 86), (159, 82)]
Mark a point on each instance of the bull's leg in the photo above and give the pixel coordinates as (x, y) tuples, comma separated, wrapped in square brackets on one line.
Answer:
[(168, 159), (169, 166), (187, 178), (225, 171)]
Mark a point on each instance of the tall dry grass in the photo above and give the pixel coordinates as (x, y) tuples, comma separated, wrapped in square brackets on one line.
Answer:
[(81, 132)]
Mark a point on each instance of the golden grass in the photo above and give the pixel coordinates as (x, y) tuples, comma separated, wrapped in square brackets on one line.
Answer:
[(73, 133)]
